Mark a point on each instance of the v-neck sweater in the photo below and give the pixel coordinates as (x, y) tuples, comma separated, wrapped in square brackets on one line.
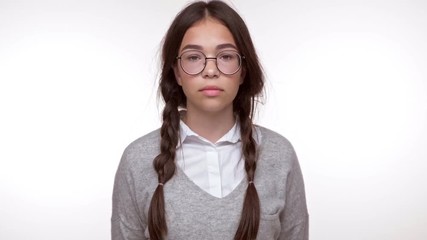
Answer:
[(192, 213)]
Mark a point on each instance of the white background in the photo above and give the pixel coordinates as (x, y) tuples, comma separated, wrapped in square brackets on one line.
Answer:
[(347, 85)]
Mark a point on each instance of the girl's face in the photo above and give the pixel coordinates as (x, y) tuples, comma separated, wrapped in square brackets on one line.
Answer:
[(210, 91)]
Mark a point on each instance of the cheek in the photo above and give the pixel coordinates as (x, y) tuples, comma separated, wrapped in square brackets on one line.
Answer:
[(235, 84), (242, 75), (241, 78)]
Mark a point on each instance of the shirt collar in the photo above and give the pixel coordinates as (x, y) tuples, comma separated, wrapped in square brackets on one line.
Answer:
[(232, 136)]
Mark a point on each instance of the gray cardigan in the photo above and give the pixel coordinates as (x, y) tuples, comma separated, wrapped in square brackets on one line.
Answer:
[(191, 213)]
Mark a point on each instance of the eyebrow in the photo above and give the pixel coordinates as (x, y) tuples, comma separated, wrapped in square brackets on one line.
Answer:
[(219, 47)]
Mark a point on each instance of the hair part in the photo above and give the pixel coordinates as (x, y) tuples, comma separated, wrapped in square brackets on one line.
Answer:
[(243, 106)]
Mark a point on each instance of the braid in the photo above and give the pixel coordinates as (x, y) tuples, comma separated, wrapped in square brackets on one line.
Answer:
[(249, 221), (164, 164)]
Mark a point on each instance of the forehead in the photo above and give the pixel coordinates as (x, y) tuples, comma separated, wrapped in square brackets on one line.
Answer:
[(208, 35)]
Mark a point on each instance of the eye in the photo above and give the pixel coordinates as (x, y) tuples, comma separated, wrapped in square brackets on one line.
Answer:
[(227, 56), (192, 57)]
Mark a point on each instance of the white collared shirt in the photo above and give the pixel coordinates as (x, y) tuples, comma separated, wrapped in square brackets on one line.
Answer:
[(218, 167)]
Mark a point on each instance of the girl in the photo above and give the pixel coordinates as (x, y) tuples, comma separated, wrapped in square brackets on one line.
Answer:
[(209, 172)]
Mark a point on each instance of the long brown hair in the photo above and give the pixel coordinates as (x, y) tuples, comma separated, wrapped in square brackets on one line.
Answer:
[(243, 106)]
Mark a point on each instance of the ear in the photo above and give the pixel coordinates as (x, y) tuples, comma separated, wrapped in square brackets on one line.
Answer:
[(177, 75)]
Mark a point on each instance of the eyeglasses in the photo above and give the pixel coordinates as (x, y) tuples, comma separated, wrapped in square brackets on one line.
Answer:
[(194, 62)]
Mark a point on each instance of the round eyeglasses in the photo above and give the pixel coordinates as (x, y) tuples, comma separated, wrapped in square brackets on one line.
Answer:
[(194, 62)]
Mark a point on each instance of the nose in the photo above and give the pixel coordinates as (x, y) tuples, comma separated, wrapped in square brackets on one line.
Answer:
[(211, 70)]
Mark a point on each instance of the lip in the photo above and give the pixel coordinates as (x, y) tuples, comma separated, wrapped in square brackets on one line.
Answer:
[(211, 91)]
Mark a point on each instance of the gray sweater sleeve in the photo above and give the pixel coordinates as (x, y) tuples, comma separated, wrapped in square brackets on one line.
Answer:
[(294, 218), (126, 223)]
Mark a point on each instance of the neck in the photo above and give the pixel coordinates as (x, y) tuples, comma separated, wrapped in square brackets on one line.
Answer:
[(211, 126)]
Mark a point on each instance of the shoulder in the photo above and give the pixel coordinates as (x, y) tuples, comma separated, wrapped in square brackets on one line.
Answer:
[(139, 154), (146, 144), (272, 140), (275, 152)]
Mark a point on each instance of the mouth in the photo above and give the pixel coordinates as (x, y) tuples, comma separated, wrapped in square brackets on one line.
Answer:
[(207, 88), (211, 91)]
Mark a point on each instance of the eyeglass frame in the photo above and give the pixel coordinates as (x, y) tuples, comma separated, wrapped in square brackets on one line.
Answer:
[(241, 58)]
